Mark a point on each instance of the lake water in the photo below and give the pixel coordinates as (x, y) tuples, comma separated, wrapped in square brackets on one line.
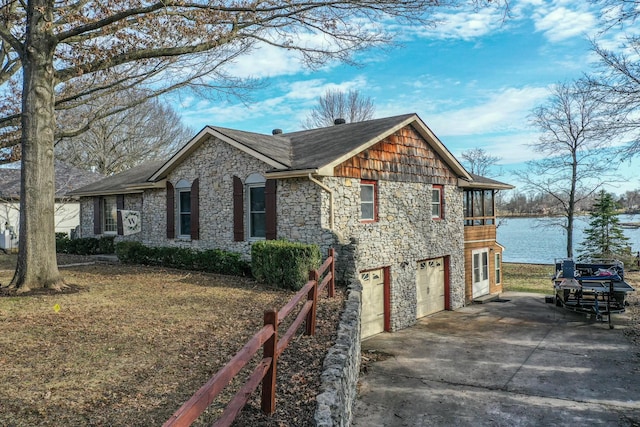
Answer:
[(538, 241)]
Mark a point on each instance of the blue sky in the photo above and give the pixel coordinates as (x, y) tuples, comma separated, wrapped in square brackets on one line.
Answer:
[(473, 79)]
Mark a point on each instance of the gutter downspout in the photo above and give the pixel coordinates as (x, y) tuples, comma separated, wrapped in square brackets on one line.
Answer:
[(330, 191)]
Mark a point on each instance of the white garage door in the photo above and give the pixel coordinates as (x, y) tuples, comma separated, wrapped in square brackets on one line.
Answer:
[(372, 302), (430, 287)]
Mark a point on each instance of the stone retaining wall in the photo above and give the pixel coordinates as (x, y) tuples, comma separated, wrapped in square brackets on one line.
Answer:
[(341, 366)]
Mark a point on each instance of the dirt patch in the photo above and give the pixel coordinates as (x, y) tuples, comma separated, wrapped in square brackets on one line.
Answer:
[(136, 342)]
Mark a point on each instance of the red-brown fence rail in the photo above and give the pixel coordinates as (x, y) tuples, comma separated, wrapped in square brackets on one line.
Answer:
[(272, 346)]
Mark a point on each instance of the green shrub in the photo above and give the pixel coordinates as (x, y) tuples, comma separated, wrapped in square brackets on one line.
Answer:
[(62, 243), (211, 260), (284, 264), (84, 246), (128, 252), (105, 245)]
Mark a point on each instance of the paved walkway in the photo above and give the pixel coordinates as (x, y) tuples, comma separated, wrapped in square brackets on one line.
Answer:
[(515, 363)]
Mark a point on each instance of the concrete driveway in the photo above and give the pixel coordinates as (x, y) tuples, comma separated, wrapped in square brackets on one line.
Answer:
[(515, 363)]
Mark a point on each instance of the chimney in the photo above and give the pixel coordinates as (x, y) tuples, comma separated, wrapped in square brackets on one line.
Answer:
[(339, 121), (276, 132)]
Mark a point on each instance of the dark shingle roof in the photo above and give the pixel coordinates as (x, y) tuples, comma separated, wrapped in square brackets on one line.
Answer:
[(316, 147), (118, 183), (68, 178), (296, 151), (274, 147), (484, 182)]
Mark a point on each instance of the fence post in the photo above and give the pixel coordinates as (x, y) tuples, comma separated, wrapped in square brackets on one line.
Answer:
[(332, 283), (270, 350), (313, 296)]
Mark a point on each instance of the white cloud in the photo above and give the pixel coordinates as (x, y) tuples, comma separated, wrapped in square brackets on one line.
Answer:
[(290, 107), (505, 110), (558, 20), (266, 61), (562, 23), (461, 24)]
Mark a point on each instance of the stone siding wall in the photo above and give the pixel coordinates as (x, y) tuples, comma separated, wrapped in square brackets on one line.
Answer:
[(298, 203), (133, 202), (404, 234)]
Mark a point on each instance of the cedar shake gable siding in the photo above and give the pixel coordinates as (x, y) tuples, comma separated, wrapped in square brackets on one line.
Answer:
[(404, 157)]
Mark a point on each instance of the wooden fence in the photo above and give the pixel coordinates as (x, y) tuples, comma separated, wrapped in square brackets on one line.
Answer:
[(272, 346)]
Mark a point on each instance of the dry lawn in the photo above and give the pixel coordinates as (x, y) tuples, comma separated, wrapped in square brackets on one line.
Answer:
[(537, 277), (135, 343)]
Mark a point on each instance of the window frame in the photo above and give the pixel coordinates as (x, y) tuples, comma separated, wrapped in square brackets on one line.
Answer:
[(183, 187), (498, 267), (440, 203), (106, 200), (479, 207), (373, 184), (254, 181)]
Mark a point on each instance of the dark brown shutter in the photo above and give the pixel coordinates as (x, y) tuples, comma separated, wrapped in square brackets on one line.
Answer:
[(238, 209), (120, 206), (195, 209), (171, 221), (97, 215), (442, 202), (271, 223)]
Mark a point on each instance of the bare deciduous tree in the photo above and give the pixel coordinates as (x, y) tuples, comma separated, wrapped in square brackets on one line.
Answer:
[(351, 106), (479, 161), (618, 76), (59, 54), (574, 141), (113, 144)]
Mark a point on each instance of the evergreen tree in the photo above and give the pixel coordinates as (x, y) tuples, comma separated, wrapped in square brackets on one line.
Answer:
[(604, 237)]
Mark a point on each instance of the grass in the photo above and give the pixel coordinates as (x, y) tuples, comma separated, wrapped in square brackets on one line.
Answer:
[(132, 345), (528, 277), (537, 277)]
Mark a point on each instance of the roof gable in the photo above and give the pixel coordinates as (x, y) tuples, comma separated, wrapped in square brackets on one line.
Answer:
[(272, 150)]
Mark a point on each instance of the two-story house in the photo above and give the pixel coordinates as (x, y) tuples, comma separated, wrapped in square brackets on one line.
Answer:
[(385, 193)]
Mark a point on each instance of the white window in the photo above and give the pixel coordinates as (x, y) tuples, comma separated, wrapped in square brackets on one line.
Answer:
[(368, 202), (256, 212), (183, 188), (109, 215), (498, 268)]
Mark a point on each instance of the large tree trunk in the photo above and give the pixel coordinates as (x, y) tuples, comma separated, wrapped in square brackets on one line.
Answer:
[(37, 266)]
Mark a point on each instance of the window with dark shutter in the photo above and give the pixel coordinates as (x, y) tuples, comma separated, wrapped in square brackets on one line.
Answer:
[(120, 207), (238, 209), (195, 209), (97, 215), (271, 223), (171, 228)]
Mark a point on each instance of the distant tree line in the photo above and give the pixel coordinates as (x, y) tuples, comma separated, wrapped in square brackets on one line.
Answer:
[(520, 203)]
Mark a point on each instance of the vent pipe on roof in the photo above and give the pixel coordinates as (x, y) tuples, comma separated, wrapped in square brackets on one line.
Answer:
[(276, 132), (339, 121)]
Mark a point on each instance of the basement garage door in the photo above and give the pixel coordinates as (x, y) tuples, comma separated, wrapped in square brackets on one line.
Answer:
[(372, 302), (430, 287)]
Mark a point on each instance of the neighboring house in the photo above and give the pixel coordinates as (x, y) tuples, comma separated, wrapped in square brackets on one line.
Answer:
[(482, 253), (385, 193), (67, 211)]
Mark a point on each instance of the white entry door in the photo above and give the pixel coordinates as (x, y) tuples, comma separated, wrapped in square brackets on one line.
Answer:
[(372, 302), (480, 272), (429, 287)]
